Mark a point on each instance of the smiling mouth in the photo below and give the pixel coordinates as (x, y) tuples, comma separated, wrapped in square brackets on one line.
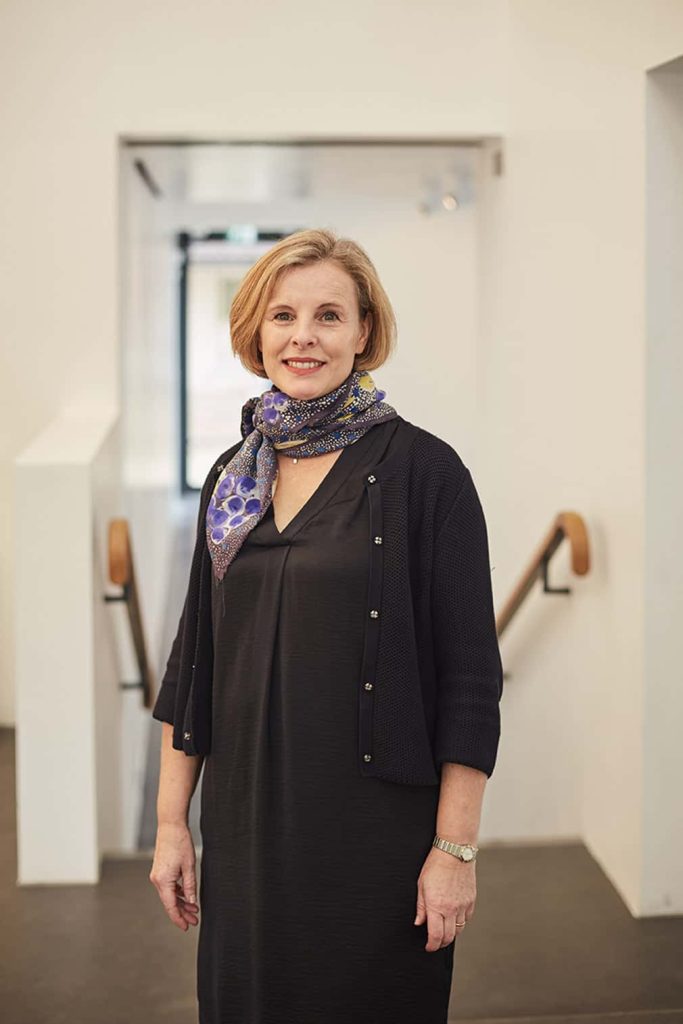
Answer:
[(303, 363)]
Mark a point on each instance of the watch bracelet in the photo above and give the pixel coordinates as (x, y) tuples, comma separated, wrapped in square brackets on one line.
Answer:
[(455, 849)]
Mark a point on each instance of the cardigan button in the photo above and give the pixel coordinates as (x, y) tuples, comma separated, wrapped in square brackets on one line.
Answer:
[(187, 735), (371, 479), (368, 686), (378, 540), (367, 757), (374, 613)]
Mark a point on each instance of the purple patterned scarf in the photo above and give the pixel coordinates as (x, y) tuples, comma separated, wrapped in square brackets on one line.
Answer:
[(300, 427)]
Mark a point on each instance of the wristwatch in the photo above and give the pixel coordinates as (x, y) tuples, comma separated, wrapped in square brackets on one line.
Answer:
[(463, 851)]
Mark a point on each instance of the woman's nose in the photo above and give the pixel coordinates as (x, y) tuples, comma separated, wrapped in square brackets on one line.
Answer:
[(304, 335)]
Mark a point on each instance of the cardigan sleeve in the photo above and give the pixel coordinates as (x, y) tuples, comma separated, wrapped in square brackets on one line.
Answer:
[(469, 671), (164, 707)]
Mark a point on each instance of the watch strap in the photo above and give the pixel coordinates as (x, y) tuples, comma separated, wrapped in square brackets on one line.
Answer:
[(463, 851)]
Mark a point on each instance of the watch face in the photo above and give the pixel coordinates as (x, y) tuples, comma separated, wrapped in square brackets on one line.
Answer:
[(467, 854)]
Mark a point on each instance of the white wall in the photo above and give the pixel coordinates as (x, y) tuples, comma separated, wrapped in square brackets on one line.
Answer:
[(69, 710), (562, 409), (148, 357), (663, 603), (148, 363), (559, 377)]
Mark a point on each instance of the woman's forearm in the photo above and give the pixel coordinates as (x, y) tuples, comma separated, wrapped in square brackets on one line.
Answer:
[(178, 777), (460, 801)]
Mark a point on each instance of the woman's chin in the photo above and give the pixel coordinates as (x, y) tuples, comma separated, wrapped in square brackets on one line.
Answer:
[(305, 386)]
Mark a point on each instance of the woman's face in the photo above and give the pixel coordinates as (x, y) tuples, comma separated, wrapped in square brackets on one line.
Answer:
[(312, 316)]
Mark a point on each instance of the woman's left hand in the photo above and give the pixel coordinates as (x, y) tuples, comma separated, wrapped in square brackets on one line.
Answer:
[(446, 893)]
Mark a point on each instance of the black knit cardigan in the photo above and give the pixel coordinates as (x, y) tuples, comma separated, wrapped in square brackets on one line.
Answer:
[(432, 678)]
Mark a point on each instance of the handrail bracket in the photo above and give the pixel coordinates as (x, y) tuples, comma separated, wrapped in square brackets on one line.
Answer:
[(547, 589)]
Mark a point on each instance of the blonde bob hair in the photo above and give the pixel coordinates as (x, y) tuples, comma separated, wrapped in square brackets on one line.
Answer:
[(298, 249)]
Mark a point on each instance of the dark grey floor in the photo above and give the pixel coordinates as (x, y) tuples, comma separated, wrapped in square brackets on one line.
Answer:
[(551, 943)]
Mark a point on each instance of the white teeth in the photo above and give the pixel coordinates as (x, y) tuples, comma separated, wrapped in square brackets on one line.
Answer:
[(301, 363)]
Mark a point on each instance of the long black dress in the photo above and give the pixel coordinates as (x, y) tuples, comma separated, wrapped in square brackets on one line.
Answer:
[(308, 876)]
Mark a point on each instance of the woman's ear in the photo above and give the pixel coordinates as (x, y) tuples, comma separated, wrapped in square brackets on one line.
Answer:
[(366, 328)]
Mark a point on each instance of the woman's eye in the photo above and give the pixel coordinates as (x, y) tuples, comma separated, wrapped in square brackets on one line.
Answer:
[(327, 312)]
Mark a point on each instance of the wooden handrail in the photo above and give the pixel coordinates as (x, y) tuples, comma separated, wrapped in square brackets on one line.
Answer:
[(565, 524), (122, 572)]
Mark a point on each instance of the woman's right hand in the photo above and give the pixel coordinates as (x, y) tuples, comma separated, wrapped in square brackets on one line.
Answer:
[(173, 873)]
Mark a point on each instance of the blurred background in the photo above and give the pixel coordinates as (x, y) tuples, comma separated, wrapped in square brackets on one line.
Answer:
[(514, 169)]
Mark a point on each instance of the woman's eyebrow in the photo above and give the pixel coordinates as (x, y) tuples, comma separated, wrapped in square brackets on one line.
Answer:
[(283, 305)]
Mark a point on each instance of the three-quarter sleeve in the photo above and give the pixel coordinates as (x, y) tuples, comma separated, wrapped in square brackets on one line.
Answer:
[(469, 671), (164, 707)]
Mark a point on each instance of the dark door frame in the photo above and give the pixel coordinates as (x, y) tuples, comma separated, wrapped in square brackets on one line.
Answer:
[(184, 240)]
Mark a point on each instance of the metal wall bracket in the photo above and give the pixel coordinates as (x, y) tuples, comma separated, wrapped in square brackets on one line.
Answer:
[(547, 589)]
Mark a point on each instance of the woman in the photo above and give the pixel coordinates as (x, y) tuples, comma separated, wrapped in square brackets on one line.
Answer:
[(336, 672)]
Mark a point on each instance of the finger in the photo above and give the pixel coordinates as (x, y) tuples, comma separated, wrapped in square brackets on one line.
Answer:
[(450, 932), (188, 911), (189, 916), (189, 883), (435, 925), (169, 898), (181, 893), (421, 909)]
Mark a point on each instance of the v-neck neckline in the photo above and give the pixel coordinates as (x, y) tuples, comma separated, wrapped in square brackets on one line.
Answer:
[(315, 500), (330, 483)]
